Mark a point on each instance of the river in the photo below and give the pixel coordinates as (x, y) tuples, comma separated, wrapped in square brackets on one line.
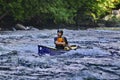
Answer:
[(97, 59)]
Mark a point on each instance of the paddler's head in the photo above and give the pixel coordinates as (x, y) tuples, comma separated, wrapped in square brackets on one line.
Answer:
[(59, 33)]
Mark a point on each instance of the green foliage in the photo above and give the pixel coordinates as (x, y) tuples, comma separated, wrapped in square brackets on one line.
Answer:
[(113, 20), (98, 8), (59, 10)]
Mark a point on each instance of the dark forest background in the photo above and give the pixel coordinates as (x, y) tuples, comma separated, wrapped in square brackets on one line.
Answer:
[(54, 13)]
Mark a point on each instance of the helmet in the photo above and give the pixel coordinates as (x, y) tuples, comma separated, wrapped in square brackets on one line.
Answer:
[(60, 31)]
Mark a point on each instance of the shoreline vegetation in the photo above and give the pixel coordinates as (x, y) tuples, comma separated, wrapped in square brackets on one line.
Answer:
[(56, 13), (108, 28)]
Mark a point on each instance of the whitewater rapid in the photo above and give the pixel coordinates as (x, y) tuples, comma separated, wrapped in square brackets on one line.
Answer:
[(97, 58)]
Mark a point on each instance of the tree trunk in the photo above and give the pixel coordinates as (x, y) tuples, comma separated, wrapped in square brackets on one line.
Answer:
[(1, 17)]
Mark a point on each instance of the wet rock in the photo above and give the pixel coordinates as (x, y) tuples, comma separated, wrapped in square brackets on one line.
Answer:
[(116, 12), (21, 27), (112, 20)]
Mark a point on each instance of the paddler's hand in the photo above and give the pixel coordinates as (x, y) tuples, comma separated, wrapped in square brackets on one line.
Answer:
[(67, 47), (60, 43)]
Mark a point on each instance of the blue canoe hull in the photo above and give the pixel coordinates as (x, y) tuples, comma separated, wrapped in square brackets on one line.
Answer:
[(43, 50)]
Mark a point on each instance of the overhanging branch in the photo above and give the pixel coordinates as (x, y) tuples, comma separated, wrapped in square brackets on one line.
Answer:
[(1, 17)]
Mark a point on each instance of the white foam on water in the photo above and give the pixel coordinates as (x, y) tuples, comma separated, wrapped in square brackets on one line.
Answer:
[(46, 37), (89, 52), (60, 67)]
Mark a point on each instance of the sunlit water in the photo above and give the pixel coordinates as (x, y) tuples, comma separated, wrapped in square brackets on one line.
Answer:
[(98, 57)]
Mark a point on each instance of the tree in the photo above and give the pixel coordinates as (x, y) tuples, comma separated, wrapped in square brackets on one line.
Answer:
[(61, 11)]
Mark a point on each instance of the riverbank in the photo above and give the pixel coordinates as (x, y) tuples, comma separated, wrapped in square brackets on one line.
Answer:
[(108, 28)]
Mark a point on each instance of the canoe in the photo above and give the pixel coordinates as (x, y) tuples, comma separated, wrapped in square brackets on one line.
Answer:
[(43, 50)]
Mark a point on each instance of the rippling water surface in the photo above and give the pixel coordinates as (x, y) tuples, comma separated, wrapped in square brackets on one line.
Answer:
[(98, 57)]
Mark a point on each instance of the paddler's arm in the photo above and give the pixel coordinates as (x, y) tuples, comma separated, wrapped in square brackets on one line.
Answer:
[(67, 45), (60, 43)]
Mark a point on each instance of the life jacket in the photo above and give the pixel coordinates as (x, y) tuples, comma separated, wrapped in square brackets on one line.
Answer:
[(60, 39)]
